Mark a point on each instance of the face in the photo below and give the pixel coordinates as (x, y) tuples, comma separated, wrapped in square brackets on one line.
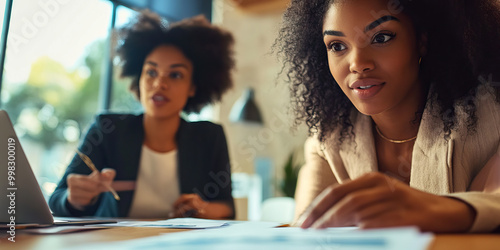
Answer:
[(373, 55), (166, 82)]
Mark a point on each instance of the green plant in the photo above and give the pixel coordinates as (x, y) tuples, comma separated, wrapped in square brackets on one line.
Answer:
[(289, 182)]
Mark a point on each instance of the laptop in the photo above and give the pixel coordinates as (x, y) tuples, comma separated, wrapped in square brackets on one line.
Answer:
[(21, 200)]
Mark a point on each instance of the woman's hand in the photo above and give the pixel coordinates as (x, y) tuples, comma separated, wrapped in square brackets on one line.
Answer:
[(376, 200), (83, 189), (192, 205)]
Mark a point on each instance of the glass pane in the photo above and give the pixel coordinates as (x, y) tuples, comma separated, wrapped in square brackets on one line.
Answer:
[(206, 114), (52, 75), (122, 100), (2, 12)]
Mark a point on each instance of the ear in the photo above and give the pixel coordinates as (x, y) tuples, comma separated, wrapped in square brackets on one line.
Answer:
[(422, 44)]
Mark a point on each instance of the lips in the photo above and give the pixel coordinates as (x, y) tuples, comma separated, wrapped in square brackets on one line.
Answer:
[(159, 99), (365, 83), (366, 88)]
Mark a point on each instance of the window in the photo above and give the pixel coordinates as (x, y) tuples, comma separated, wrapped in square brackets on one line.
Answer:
[(51, 78), (54, 67), (206, 114), (2, 11), (122, 100)]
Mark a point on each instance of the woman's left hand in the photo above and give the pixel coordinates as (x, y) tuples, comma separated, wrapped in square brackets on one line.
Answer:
[(190, 205), (375, 200)]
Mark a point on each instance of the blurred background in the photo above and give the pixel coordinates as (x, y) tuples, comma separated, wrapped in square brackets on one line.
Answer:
[(59, 72)]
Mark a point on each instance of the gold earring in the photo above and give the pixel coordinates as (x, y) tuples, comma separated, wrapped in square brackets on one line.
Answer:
[(419, 60)]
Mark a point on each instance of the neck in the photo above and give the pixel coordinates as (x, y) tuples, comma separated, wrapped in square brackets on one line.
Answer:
[(159, 134), (402, 121), (397, 128)]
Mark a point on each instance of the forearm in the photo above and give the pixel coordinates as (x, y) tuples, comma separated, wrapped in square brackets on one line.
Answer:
[(487, 208), (217, 210), (453, 216), (57, 203)]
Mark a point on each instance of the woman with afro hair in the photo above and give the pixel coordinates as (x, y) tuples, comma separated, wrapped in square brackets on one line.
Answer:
[(402, 103), (161, 165)]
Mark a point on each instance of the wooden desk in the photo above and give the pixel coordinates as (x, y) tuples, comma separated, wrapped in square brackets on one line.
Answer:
[(61, 241)]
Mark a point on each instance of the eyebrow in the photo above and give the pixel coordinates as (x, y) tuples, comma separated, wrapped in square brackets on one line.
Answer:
[(369, 27), (333, 33), (177, 65), (380, 21)]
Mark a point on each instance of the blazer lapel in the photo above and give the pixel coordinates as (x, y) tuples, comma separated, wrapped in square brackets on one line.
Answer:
[(432, 156), (431, 168), (184, 155), (358, 153), (132, 153)]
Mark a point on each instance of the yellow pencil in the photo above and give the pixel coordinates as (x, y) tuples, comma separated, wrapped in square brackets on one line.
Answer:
[(91, 165)]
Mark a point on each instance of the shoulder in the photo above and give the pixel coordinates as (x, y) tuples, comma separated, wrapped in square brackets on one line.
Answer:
[(201, 127), (201, 135), (485, 100), (487, 97), (361, 131), (487, 108), (314, 146), (472, 149), (118, 119), (113, 123)]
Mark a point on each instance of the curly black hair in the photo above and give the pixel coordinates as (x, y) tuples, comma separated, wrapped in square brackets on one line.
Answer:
[(462, 51), (209, 48)]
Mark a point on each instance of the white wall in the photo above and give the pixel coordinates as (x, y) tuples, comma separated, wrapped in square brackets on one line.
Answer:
[(254, 33)]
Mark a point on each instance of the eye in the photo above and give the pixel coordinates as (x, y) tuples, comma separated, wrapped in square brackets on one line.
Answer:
[(151, 73), (336, 47), (176, 75), (383, 37)]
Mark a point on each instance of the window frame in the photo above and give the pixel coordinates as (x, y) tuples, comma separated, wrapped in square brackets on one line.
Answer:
[(3, 41)]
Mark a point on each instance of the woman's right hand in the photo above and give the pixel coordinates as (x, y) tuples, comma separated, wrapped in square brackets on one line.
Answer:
[(83, 189)]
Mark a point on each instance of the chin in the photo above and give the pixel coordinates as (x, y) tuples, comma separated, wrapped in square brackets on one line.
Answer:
[(152, 113), (369, 109)]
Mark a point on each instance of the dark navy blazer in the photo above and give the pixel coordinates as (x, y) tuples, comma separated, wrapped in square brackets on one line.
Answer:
[(115, 141)]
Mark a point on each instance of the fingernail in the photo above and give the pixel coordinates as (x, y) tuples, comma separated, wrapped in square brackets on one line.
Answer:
[(308, 221), (319, 224), (304, 223)]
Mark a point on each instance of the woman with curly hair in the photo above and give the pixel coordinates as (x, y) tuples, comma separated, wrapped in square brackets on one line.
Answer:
[(401, 102), (161, 165)]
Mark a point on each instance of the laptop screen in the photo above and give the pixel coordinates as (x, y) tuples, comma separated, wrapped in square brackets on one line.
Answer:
[(21, 200)]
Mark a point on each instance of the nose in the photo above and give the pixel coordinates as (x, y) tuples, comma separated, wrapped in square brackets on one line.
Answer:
[(161, 82), (361, 61)]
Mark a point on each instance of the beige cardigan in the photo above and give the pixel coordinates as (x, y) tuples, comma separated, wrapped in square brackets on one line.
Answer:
[(466, 167)]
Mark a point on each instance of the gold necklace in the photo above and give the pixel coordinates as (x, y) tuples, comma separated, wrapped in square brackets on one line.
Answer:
[(394, 141)]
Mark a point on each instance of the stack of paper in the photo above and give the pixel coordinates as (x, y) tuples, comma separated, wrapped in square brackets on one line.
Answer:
[(253, 235), (183, 223)]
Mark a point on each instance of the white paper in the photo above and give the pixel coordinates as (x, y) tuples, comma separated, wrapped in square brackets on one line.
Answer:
[(239, 237), (179, 223)]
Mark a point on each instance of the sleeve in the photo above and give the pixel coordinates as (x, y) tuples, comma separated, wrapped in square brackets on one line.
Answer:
[(222, 167), (92, 147), (484, 196), (314, 176)]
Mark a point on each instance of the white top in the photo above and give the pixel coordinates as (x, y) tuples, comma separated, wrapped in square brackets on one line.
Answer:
[(157, 185)]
